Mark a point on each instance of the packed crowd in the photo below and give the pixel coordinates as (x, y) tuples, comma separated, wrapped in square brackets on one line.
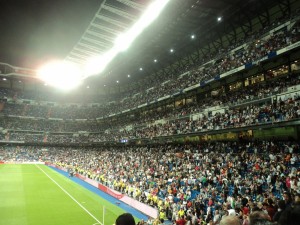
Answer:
[(268, 88), (61, 138), (43, 114), (50, 125), (238, 117), (202, 183), (174, 120), (253, 52)]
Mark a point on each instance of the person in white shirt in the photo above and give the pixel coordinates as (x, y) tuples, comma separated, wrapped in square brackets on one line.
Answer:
[(293, 160), (217, 218), (231, 212)]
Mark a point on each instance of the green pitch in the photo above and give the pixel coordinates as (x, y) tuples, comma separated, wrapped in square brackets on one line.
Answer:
[(37, 195)]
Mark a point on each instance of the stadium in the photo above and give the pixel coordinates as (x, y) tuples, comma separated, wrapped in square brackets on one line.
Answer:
[(180, 112)]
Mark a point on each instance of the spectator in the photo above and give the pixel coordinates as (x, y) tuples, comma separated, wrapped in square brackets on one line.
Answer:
[(230, 220), (259, 218), (290, 216), (281, 208), (125, 219)]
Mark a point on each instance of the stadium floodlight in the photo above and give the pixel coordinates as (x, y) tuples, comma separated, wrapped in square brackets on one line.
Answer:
[(61, 74), (97, 64), (124, 41)]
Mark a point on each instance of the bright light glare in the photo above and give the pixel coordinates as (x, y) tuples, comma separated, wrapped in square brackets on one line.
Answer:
[(97, 64), (125, 40), (64, 75), (61, 74)]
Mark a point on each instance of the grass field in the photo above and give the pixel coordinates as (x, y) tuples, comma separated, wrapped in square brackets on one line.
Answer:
[(37, 195)]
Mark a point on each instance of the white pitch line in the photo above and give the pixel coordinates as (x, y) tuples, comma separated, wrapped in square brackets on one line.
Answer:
[(70, 195)]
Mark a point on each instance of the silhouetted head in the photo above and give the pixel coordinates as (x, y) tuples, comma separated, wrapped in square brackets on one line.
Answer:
[(125, 219)]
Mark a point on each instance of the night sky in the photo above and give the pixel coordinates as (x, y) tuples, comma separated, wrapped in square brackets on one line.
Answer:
[(34, 31)]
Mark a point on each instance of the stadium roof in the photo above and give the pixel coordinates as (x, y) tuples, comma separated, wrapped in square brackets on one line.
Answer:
[(34, 31)]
